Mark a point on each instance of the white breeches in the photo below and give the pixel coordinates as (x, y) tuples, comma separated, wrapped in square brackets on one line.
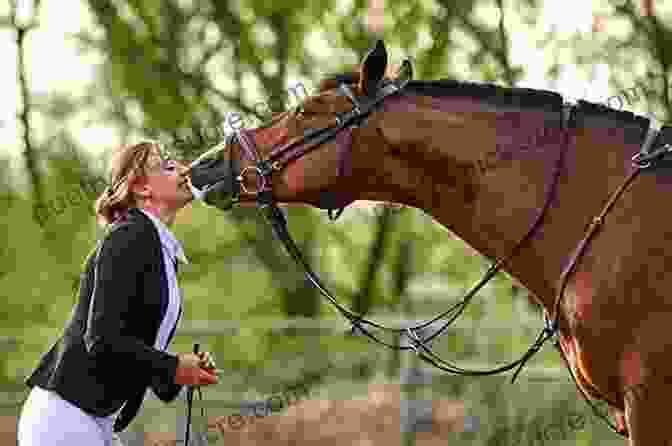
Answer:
[(49, 420)]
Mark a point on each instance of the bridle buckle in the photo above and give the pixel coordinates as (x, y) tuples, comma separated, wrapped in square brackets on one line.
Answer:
[(241, 178)]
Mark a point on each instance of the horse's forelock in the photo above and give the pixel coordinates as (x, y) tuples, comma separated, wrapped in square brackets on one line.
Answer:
[(353, 77), (342, 78)]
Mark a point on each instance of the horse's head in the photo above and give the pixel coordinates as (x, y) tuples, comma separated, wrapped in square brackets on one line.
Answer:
[(313, 152)]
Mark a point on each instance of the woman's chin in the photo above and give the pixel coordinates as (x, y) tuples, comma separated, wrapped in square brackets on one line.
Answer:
[(187, 201), (182, 202)]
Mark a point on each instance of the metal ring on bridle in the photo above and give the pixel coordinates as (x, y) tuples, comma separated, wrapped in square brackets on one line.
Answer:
[(241, 177), (638, 162), (643, 158)]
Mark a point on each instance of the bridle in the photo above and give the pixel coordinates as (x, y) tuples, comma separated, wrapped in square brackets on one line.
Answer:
[(312, 139), (362, 108)]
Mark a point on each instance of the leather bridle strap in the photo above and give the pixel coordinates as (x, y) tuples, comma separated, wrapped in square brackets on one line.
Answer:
[(312, 138)]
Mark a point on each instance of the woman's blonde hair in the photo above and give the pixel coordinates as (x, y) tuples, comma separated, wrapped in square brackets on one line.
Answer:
[(127, 164)]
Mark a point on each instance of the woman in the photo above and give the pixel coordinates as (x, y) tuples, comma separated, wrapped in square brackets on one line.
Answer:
[(91, 383)]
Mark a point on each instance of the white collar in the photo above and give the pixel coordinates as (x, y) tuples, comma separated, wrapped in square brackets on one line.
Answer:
[(167, 237)]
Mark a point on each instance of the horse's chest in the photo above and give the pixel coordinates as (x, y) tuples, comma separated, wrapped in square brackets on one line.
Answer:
[(582, 345), (596, 371), (579, 360), (580, 307), (580, 299)]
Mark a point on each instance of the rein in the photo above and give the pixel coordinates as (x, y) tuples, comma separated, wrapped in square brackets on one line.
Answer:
[(190, 402), (362, 108)]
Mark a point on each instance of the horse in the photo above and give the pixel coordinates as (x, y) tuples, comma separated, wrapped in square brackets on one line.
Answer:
[(518, 174)]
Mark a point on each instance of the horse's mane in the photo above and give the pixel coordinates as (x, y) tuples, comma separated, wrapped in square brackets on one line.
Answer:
[(497, 95)]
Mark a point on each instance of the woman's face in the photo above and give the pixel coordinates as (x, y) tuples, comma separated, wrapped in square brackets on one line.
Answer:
[(166, 182)]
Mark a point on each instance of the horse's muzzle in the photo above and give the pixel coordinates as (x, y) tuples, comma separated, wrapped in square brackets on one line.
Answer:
[(213, 178)]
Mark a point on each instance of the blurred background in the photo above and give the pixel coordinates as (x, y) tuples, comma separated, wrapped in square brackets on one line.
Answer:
[(80, 77)]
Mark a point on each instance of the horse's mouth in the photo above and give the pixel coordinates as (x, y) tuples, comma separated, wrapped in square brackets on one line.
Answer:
[(213, 177)]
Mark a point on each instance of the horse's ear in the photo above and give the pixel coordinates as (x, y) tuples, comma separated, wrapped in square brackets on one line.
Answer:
[(373, 69)]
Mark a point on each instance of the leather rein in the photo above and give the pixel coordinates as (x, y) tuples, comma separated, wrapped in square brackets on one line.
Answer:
[(362, 108)]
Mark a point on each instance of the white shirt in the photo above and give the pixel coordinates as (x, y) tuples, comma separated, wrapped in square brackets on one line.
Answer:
[(172, 252)]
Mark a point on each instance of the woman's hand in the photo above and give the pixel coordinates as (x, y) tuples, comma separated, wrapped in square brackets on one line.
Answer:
[(191, 371), (207, 360)]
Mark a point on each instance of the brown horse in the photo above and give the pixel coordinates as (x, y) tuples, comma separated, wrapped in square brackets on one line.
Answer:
[(481, 160)]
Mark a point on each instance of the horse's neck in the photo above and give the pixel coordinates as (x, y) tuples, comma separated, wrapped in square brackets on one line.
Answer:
[(486, 177)]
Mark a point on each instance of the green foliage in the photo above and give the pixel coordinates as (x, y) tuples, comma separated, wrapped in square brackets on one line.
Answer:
[(170, 65)]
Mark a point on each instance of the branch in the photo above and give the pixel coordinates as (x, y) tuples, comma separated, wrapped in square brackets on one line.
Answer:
[(656, 37), (209, 53), (25, 113), (236, 101), (660, 38), (489, 46), (363, 299), (485, 37), (232, 27), (503, 53)]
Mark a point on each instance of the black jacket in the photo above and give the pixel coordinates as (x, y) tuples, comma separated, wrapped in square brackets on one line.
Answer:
[(105, 356)]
